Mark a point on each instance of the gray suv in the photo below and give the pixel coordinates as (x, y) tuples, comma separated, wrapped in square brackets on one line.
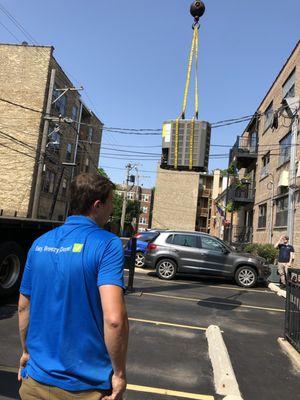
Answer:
[(199, 253)]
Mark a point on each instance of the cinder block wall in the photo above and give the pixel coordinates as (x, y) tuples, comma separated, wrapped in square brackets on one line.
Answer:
[(175, 200), (23, 80)]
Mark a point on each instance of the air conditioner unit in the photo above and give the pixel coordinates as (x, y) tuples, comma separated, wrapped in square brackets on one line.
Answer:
[(188, 145)]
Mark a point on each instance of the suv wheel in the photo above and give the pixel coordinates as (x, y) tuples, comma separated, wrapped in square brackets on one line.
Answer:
[(139, 259), (246, 277), (166, 269)]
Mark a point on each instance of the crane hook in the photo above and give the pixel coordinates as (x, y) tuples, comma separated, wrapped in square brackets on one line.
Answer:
[(197, 10)]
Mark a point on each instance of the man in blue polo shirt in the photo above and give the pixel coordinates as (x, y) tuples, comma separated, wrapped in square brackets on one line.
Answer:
[(285, 258), (72, 317)]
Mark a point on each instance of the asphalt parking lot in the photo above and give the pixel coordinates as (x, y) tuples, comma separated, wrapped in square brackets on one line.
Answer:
[(168, 353)]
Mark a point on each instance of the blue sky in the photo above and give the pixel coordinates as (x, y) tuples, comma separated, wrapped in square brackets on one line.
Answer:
[(131, 58)]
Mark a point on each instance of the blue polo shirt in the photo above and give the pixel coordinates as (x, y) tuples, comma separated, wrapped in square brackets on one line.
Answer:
[(65, 337), (285, 251)]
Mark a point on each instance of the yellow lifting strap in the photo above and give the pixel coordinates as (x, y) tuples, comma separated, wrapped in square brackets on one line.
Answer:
[(176, 143), (193, 53), (192, 143)]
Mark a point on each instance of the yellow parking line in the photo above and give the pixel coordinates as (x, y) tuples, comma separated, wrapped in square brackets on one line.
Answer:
[(144, 389), (8, 369), (146, 321), (215, 302), (239, 289), (167, 392)]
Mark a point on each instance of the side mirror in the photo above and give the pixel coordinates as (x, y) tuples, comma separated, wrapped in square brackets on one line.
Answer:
[(225, 251)]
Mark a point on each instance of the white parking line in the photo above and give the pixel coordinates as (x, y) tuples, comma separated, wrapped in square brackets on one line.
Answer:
[(203, 285)]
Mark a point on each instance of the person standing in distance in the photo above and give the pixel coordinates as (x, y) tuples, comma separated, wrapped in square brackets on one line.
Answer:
[(285, 258), (72, 316)]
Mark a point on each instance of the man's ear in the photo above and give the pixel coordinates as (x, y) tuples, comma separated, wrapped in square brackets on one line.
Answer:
[(97, 204)]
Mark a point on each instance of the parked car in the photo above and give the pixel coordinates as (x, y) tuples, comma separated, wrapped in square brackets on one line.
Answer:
[(143, 238), (174, 252)]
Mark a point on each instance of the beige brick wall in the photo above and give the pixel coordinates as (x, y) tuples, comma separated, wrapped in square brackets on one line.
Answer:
[(175, 200), (23, 80), (269, 141)]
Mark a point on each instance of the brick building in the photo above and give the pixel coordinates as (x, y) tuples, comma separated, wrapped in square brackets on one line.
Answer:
[(182, 200), (261, 157), (145, 197), (25, 77)]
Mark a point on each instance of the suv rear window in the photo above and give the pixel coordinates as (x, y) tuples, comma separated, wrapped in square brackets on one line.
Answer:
[(147, 237), (183, 240)]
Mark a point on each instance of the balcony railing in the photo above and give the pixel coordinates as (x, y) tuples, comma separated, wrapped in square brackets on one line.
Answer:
[(203, 212), (245, 151), (241, 195), (205, 192), (241, 234)]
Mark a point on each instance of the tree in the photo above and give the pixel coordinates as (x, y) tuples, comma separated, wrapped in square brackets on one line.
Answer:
[(102, 172), (132, 208)]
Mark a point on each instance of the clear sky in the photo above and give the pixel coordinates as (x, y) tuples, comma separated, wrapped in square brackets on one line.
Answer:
[(131, 58)]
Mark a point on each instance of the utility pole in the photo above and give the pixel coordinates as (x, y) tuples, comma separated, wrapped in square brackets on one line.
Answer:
[(292, 107), (138, 199), (122, 225), (38, 185), (271, 187)]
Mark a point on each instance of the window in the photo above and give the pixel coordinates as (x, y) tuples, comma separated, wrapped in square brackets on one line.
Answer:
[(145, 210), (209, 243), (269, 116), (143, 220), (185, 240), (170, 239), (53, 138), (60, 104), (288, 89), (90, 135), (265, 165), (87, 165), (285, 149), (64, 187), (74, 113), (262, 215), (281, 211), (69, 152), (130, 195), (49, 181), (145, 198)]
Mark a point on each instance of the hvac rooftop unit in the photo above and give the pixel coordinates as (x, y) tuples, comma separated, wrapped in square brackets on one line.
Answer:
[(185, 145)]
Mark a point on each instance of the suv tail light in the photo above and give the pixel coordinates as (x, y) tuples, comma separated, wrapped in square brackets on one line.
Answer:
[(151, 246)]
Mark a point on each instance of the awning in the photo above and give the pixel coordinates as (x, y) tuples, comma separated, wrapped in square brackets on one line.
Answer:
[(284, 179)]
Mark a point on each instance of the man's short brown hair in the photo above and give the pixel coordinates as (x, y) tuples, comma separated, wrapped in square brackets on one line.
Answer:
[(86, 188)]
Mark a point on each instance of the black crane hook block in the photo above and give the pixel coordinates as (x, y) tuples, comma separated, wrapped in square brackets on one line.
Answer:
[(197, 10)]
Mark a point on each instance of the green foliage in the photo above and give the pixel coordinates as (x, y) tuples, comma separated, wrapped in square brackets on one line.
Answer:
[(132, 208), (102, 172), (266, 251), (231, 206)]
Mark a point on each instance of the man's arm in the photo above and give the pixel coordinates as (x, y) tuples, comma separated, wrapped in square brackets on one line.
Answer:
[(115, 335), (278, 243), (23, 312)]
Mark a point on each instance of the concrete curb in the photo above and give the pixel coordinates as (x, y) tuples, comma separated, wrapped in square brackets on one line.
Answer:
[(224, 377), (277, 290), (291, 352)]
